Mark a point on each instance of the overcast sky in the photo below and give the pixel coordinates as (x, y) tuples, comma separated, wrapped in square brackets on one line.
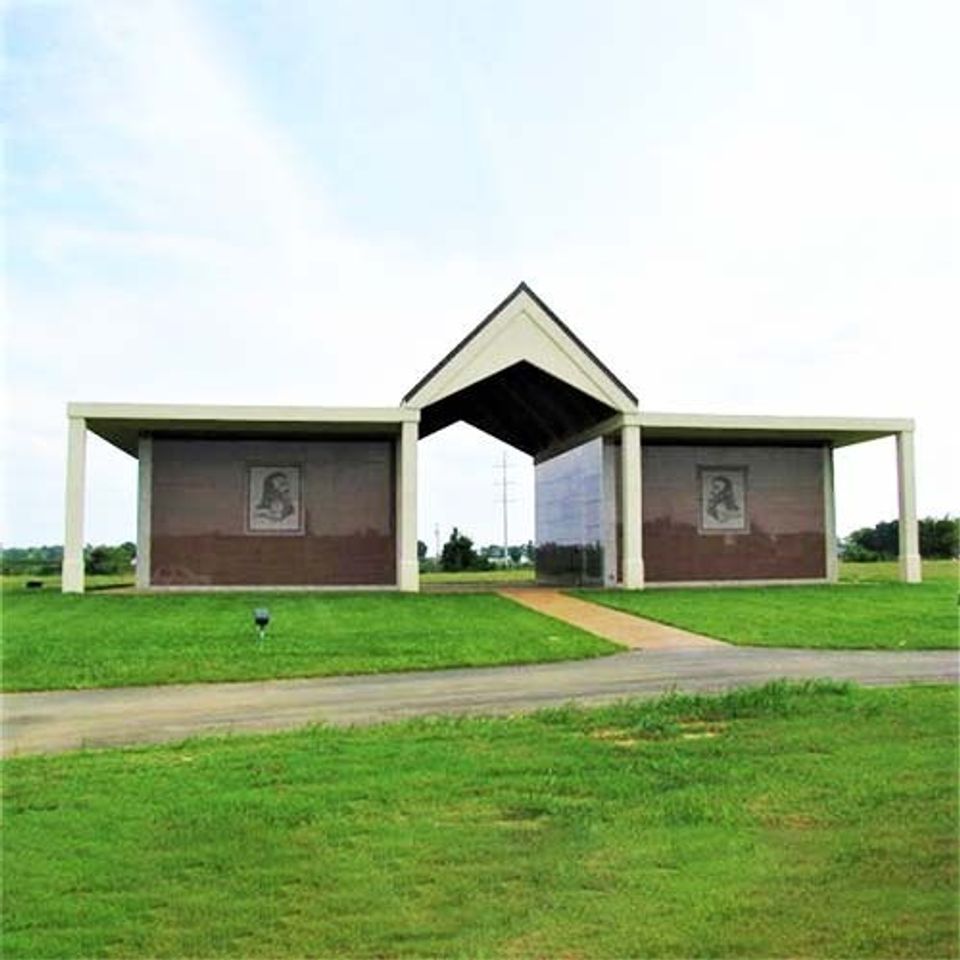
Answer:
[(743, 207)]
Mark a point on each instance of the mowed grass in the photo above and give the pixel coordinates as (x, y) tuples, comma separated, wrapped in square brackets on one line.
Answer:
[(12, 583), (506, 575), (889, 572), (867, 610), (814, 821), (52, 640)]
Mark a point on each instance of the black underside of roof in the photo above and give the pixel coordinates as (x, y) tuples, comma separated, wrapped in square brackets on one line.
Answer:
[(523, 406)]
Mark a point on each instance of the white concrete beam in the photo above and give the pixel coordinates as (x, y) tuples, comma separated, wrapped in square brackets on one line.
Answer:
[(243, 414), (72, 571), (144, 510), (408, 566), (910, 567), (632, 505)]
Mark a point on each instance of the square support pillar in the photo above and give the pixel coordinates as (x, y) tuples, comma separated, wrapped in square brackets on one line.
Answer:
[(72, 570), (831, 567), (631, 500), (408, 565), (910, 568), (144, 510)]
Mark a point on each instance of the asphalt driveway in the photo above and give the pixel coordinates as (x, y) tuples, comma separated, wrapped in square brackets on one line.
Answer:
[(67, 720)]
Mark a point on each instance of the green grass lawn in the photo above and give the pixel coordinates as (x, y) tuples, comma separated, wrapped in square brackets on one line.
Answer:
[(868, 609), (52, 640), (106, 581), (781, 822), (508, 575), (15, 583), (889, 572)]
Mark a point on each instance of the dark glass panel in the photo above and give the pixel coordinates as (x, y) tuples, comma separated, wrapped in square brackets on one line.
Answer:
[(570, 528)]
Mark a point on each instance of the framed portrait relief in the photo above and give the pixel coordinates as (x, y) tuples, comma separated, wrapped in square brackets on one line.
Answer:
[(723, 499), (275, 499)]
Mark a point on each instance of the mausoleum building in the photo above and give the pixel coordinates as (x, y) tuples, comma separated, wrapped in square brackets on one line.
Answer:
[(314, 497)]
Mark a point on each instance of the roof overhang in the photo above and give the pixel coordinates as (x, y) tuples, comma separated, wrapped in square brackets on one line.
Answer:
[(122, 424), (740, 430), (710, 428)]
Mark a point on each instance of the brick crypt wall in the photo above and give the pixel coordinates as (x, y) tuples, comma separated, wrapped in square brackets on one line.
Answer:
[(212, 524), (784, 513)]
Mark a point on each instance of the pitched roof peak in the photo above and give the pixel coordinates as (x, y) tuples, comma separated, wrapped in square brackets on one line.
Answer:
[(470, 343)]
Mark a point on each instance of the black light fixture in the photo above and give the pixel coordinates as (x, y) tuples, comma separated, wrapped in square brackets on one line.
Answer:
[(261, 617)]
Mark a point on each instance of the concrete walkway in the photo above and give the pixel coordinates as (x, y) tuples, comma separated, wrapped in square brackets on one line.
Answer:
[(67, 720), (632, 632)]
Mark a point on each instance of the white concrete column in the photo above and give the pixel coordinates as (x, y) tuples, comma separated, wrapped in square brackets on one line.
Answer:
[(829, 516), (144, 508), (611, 454), (632, 506), (408, 567), (72, 571), (910, 568)]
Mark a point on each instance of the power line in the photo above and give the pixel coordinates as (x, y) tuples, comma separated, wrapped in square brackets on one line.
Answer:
[(504, 484)]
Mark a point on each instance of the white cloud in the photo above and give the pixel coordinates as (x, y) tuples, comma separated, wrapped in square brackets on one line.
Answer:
[(794, 252)]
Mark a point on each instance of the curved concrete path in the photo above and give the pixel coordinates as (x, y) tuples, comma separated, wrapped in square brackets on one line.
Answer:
[(635, 633), (67, 720)]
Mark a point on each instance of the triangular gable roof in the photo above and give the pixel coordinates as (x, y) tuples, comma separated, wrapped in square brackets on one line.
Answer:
[(522, 329)]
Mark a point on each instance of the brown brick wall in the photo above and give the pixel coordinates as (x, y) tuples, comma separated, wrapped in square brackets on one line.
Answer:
[(785, 504), (199, 514)]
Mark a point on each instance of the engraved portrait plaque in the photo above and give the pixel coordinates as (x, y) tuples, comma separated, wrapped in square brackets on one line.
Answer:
[(723, 499), (275, 499)]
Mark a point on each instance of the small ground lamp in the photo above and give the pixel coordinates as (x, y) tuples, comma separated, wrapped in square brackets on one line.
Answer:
[(261, 617)]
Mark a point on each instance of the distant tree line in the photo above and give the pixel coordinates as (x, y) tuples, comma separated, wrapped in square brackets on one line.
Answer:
[(46, 561), (42, 561), (459, 554), (939, 540)]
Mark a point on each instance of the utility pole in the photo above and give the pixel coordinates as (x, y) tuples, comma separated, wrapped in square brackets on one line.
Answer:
[(504, 483)]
